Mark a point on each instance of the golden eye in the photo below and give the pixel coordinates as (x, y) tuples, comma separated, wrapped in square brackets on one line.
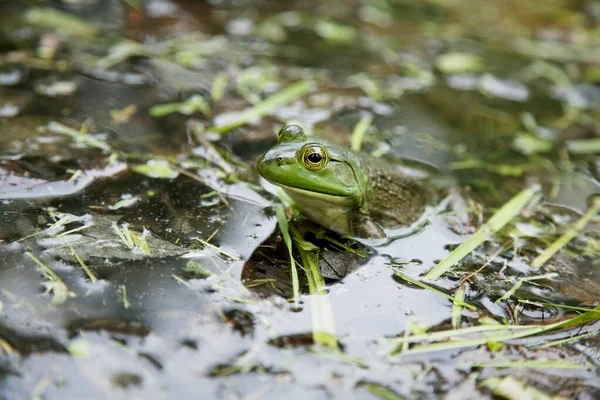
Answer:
[(315, 158)]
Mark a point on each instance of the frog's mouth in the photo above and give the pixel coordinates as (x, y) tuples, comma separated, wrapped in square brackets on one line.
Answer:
[(310, 194)]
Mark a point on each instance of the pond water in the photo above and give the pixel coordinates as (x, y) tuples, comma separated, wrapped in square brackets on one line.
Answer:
[(140, 252)]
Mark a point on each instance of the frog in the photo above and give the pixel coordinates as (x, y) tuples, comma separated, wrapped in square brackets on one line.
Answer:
[(342, 190)]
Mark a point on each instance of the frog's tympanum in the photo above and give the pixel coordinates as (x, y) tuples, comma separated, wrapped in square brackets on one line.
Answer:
[(342, 190)]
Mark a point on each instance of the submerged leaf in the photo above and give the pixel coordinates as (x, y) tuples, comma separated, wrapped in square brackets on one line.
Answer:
[(531, 144), (513, 389), (60, 21), (156, 169), (334, 32), (459, 62)]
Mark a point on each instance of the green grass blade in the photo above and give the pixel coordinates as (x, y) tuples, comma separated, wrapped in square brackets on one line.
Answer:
[(322, 321), (56, 127), (219, 250), (126, 303), (89, 273), (454, 333), (520, 281), (457, 308), (60, 292), (360, 130), (583, 146), (283, 226), (218, 86), (323, 324), (559, 364), (425, 286), (382, 392), (47, 271), (269, 104), (521, 332), (460, 344), (64, 23), (567, 236), (589, 316), (502, 217), (567, 340), (513, 389)]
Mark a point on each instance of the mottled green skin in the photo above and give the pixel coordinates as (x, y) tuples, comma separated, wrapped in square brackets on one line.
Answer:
[(351, 194)]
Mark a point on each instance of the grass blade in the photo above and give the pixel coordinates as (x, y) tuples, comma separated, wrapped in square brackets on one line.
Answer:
[(567, 236), (382, 392), (54, 284), (126, 303), (360, 130), (283, 226), (89, 273), (519, 332), (266, 106), (520, 281), (457, 308), (420, 284), (528, 364), (567, 340), (502, 217), (323, 326), (583, 146)]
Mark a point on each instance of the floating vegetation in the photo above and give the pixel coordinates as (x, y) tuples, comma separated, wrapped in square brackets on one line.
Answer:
[(360, 130), (126, 303), (266, 106), (420, 284), (520, 281), (457, 307), (124, 115), (457, 62), (539, 364), (496, 222), (503, 89), (89, 273), (56, 88), (219, 250), (564, 239), (127, 201), (80, 136), (283, 226), (334, 32), (132, 240), (511, 388), (122, 51), (370, 86), (454, 339), (583, 146), (54, 284), (197, 270), (219, 84), (61, 22), (194, 104), (382, 392), (530, 144), (156, 168)]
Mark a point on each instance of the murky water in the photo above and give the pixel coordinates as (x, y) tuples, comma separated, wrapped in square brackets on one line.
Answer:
[(140, 255)]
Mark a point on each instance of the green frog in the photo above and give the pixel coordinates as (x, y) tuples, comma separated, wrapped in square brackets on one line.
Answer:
[(341, 190)]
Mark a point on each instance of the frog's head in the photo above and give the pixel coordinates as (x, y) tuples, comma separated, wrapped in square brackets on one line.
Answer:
[(312, 168)]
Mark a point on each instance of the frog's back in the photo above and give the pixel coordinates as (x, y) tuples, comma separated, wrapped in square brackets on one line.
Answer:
[(397, 195)]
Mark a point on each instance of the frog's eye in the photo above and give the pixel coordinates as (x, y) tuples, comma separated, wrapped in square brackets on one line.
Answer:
[(315, 158)]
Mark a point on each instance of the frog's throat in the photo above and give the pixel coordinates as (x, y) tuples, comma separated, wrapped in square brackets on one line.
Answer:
[(331, 198)]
